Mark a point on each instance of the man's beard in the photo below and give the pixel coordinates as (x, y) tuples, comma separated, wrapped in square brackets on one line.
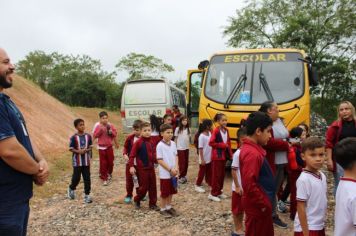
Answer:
[(3, 82)]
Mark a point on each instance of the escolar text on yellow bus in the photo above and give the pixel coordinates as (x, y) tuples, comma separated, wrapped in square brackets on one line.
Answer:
[(265, 57)]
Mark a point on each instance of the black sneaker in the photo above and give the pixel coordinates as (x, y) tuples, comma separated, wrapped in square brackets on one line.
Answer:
[(137, 205), (279, 223), (165, 213), (172, 211), (155, 208)]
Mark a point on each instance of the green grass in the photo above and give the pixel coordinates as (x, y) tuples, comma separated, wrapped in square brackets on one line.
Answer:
[(60, 166)]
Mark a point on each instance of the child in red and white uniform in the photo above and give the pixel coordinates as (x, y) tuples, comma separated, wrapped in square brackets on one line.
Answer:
[(168, 119), (221, 150), (176, 116), (257, 178), (106, 134), (181, 134), (204, 155), (296, 138), (168, 170), (129, 142), (236, 205), (345, 210), (311, 191), (144, 154)]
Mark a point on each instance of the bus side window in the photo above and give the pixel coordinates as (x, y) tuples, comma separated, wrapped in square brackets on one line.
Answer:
[(175, 97)]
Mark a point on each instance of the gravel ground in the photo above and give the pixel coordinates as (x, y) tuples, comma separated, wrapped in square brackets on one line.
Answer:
[(108, 215)]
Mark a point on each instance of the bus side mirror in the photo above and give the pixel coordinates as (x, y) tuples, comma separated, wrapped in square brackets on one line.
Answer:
[(203, 65), (313, 76), (312, 72)]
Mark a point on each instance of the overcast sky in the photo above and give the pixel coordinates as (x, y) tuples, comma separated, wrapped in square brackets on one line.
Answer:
[(180, 32)]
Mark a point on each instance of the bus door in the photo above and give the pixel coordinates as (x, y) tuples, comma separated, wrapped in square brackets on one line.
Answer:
[(194, 84)]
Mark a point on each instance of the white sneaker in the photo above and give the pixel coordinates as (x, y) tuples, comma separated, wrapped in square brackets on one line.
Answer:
[(213, 198), (199, 189), (222, 196), (105, 183)]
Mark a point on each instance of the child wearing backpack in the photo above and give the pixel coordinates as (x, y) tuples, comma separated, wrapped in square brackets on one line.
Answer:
[(257, 178)]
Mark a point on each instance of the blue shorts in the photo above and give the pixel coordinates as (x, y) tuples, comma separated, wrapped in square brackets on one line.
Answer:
[(14, 218)]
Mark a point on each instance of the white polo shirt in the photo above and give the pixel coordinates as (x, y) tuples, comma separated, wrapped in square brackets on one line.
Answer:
[(345, 209), (312, 189), (167, 153), (236, 167), (203, 143), (182, 139), (224, 135)]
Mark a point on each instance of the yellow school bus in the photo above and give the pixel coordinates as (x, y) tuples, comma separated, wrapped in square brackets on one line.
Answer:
[(236, 83)]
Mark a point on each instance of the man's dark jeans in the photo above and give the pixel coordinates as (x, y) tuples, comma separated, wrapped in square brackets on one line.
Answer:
[(14, 218)]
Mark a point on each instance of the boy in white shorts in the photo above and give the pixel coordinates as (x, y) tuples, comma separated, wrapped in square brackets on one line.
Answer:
[(345, 210), (311, 191)]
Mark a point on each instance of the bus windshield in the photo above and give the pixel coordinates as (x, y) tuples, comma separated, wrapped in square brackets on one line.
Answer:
[(145, 93), (255, 78)]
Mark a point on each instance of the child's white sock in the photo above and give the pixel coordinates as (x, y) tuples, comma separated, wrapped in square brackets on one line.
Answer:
[(168, 207), (163, 209)]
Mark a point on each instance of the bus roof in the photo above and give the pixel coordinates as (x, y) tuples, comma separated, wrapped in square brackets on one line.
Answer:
[(145, 80), (155, 80), (258, 50)]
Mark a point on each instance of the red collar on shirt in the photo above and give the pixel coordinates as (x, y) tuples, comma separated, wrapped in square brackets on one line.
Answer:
[(312, 173), (348, 179)]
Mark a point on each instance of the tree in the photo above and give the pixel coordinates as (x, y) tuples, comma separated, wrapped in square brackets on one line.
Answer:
[(141, 66), (37, 66), (324, 29), (181, 84), (75, 80)]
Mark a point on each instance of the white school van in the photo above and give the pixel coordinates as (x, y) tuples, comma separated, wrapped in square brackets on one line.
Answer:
[(142, 98)]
